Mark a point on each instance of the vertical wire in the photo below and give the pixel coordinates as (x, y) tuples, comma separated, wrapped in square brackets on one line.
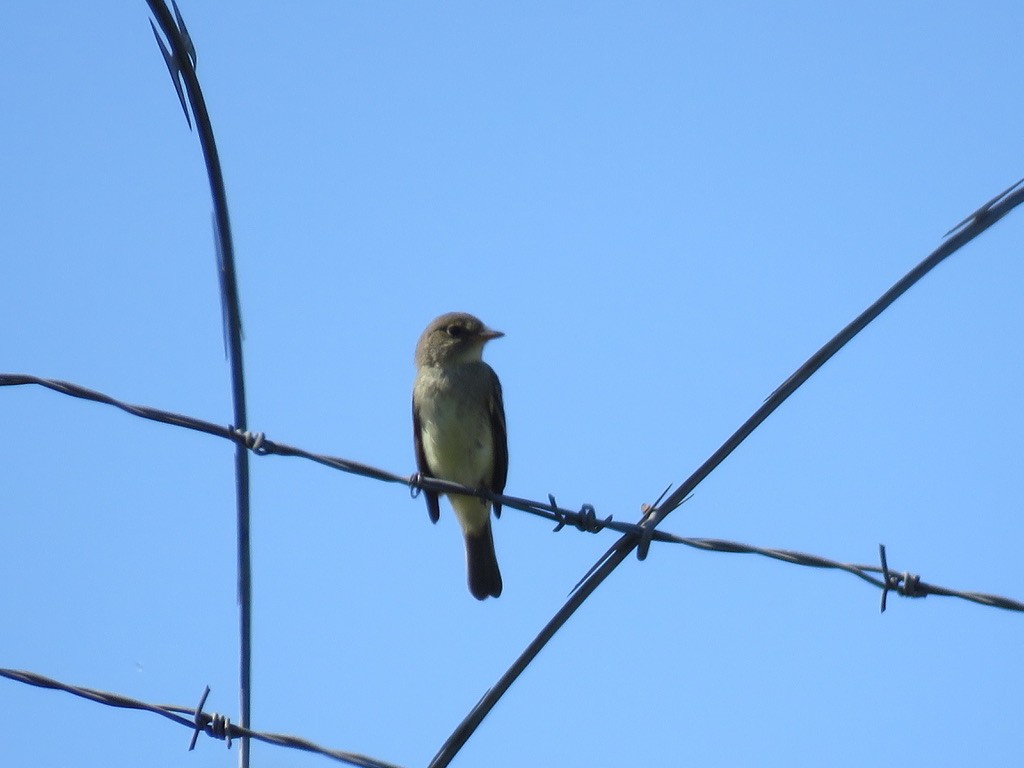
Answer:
[(183, 60)]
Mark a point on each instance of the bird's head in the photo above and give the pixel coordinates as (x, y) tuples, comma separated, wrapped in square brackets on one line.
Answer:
[(455, 337)]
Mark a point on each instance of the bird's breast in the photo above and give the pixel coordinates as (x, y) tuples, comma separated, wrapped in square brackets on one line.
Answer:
[(456, 432)]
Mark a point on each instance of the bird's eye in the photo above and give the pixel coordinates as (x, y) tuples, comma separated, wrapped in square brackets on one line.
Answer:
[(455, 331)]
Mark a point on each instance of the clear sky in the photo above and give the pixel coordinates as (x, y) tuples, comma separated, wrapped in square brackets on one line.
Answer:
[(667, 207)]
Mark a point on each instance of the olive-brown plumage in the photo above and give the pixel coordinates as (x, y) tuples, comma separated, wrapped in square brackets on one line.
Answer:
[(459, 431)]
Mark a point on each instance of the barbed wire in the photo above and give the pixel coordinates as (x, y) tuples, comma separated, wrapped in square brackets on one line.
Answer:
[(903, 583), (586, 519), (182, 62), (180, 56), (213, 725)]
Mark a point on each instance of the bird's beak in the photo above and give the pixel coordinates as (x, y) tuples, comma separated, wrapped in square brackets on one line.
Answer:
[(487, 334)]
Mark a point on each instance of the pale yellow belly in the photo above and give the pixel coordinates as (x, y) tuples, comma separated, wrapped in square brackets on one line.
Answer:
[(459, 447)]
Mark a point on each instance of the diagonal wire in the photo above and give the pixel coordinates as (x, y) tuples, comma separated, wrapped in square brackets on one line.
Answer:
[(635, 537), (180, 56), (979, 221), (195, 719), (983, 218)]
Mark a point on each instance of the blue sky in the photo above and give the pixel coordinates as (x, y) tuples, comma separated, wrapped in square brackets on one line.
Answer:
[(667, 209)]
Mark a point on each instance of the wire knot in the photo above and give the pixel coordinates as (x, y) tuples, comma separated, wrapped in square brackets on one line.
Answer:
[(585, 520), (218, 726), (254, 441), (905, 584), (911, 586), (414, 484)]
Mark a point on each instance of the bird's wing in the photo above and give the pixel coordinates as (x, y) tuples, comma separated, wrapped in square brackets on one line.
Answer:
[(433, 509), (499, 438)]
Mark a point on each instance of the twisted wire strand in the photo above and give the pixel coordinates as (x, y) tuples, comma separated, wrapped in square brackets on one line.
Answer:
[(180, 57), (195, 719), (585, 519)]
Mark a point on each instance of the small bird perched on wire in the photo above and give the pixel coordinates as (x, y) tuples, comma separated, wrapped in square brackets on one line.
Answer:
[(459, 428)]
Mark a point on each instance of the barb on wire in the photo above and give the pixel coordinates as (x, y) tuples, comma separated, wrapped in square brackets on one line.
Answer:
[(258, 443), (180, 56), (982, 219), (645, 510), (904, 584), (196, 720), (585, 520)]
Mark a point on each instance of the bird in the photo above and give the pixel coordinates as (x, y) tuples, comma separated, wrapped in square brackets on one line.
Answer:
[(458, 417)]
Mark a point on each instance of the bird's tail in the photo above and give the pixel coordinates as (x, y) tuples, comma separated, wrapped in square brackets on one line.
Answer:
[(482, 563)]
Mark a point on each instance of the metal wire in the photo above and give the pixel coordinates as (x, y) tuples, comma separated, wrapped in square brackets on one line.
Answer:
[(983, 218), (585, 519), (968, 229), (180, 58), (195, 719)]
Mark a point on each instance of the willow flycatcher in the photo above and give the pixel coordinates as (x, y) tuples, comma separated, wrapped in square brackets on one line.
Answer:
[(459, 427)]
